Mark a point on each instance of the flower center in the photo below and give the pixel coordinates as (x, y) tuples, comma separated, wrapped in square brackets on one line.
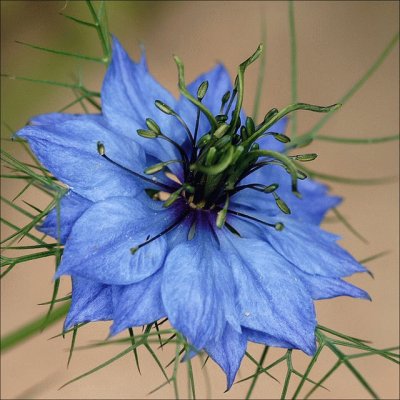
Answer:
[(215, 164)]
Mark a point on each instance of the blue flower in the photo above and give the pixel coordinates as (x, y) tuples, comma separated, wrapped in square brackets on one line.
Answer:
[(186, 209)]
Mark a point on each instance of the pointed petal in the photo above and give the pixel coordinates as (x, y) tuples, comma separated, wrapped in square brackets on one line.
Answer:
[(228, 352), (312, 250), (72, 206), (137, 304), (98, 247), (270, 296), (69, 151), (56, 118), (91, 301), (197, 291), (264, 338), (322, 287), (128, 95)]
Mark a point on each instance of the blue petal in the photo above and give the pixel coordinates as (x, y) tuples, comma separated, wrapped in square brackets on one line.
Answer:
[(137, 304), (98, 247), (322, 287), (69, 151), (56, 118), (72, 206), (91, 301), (312, 193), (198, 292), (228, 352), (128, 95), (264, 338), (312, 250), (269, 294)]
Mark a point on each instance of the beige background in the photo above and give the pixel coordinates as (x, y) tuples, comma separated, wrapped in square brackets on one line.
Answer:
[(337, 41)]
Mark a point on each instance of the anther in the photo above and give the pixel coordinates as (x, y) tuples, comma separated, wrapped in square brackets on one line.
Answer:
[(102, 151), (202, 90), (147, 133), (305, 157), (224, 100), (159, 167), (250, 127), (169, 111), (221, 215), (152, 125), (281, 204)]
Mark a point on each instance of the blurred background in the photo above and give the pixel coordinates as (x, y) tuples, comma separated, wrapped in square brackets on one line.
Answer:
[(337, 42)]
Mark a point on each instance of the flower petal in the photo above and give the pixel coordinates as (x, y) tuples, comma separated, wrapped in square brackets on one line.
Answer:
[(312, 250), (72, 206), (91, 301), (56, 118), (137, 304), (98, 247), (312, 192), (198, 292), (270, 296), (69, 151), (264, 338), (128, 95), (322, 287), (228, 352)]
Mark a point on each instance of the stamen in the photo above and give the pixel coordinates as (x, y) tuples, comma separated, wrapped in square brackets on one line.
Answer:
[(150, 134), (201, 92), (278, 136), (278, 226), (305, 157), (169, 111), (281, 204), (159, 167), (162, 233), (224, 100), (256, 186), (102, 151), (291, 167), (234, 92), (221, 216)]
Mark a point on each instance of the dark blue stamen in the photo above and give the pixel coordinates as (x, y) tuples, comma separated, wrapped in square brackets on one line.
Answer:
[(152, 181)]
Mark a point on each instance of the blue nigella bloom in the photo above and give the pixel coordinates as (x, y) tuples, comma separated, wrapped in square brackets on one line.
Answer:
[(186, 209)]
